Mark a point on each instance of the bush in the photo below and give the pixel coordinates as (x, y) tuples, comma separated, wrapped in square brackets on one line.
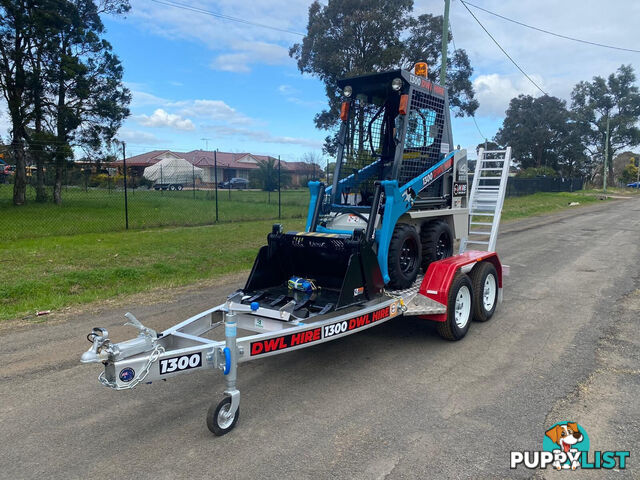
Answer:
[(533, 172)]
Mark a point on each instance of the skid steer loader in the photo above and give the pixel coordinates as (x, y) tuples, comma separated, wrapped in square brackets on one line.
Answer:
[(397, 201)]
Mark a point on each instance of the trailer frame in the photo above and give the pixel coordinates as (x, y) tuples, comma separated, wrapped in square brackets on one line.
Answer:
[(183, 348)]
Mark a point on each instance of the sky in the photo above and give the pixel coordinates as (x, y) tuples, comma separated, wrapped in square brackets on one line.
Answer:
[(200, 82)]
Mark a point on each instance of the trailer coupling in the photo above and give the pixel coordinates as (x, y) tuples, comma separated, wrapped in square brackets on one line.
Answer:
[(103, 350)]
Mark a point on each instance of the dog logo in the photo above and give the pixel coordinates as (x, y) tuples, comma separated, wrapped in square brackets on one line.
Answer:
[(566, 437), (566, 446)]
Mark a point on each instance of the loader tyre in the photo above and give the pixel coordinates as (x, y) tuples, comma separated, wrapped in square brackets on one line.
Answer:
[(484, 280), (437, 242), (459, 309), (404, 256)]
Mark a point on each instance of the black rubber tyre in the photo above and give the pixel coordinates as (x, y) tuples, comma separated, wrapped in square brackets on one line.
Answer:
[(214, 418), (484, 280), (437, 242), (404, 256), (179, 187), (172, 187), (456, 327)]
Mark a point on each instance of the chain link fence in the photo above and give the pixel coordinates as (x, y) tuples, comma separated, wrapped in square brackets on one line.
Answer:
[(99, 202)]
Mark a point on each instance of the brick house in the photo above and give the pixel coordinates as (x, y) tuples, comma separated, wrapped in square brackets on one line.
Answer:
[(230, 165)]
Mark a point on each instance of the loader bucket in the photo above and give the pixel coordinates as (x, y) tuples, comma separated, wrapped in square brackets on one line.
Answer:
[(345, 269)]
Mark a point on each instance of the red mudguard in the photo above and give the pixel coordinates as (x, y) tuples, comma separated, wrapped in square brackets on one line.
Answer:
[(440, 274)]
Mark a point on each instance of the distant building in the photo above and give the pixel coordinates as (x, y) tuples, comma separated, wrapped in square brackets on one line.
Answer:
[(230, 165)]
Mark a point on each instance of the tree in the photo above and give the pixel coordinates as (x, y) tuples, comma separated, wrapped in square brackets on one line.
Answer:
[(85, 80), (267, 174), (314, 160), (61, 81), (14, 42), (630, 172), (355, 37), (535, 128), (618, 99)]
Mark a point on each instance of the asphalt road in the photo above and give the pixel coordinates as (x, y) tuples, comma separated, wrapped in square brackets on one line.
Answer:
[(394, 401)]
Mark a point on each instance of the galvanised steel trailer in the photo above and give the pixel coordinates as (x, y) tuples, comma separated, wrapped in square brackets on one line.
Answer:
[(452, 292)]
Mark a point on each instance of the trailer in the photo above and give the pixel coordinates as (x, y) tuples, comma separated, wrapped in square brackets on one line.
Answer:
[(399, 185)]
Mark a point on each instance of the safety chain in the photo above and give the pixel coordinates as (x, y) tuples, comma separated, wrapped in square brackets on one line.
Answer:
[(157, 351)]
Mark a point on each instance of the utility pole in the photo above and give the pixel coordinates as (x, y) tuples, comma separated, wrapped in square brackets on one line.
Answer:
[(606, 157), (215, 178), (126, 204), (445, 43), (638, 176), (206, 143)]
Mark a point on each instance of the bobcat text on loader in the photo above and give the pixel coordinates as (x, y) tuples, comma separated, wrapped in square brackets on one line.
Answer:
[(398, 200)]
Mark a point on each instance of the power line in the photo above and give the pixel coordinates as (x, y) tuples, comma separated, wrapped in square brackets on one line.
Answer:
[(170, 3), (455, 49), (503, 50), (579, 40), (476, 123)]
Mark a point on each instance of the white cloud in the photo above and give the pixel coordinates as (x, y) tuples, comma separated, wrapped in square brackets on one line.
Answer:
[(263, 136), (137, 137), (161, 118), (143, 99), (293, 95), (494, 92), (215, 110), (250, 53)]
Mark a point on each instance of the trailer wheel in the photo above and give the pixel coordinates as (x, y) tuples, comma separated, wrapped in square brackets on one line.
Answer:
[(459, 309), (484, 280), (179, 187), (218, 421), (172, 187), (404, 256), (437, 242)]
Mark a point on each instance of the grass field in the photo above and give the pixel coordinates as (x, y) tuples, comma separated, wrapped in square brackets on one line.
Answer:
[(98, 210), (52, 272)]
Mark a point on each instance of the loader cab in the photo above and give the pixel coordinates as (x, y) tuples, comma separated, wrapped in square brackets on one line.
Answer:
[(394, 125)]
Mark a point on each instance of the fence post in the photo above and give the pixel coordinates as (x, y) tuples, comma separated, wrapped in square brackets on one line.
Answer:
[(161, 182), (215, 178), (279, 198), (126, 205), (193, 176)]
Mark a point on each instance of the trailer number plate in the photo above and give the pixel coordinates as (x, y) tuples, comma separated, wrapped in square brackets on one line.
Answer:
[(183, 362)]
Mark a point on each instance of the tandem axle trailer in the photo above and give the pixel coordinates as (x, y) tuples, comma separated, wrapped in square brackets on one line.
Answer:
[(451, 293)]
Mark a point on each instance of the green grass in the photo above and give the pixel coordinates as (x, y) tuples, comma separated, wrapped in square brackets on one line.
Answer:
[(98, 210), (49, 273), (54, 271), (542, 203)]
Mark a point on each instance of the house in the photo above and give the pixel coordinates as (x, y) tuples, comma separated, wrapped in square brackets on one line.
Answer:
[(230, 165)]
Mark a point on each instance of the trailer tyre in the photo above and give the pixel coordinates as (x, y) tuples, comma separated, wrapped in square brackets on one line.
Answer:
[(459, 309), (179, 187), (437, 242), (217, 420), (404, 256), (484, 279)]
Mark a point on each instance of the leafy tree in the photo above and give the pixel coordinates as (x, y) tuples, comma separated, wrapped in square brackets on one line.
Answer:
[(616, 98), (267, 174), (15, 34), (61, 81), (314, 160), (630, 172), (535, 129), (355, 37), (532, 172), (85, 80)]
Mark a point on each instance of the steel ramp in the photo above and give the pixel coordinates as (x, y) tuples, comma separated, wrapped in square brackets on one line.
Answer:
[(486, 199)]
